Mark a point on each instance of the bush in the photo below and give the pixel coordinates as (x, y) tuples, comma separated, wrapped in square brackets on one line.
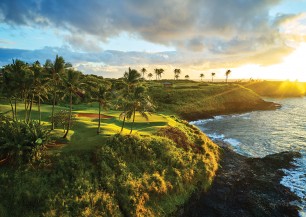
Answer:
[(22, 142)]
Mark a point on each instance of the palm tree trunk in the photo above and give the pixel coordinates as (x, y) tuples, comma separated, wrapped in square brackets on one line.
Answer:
[(123, 122), (30, 110), (39, 112), (133, 120), (226, 80), (25, 109), (52, 113), (99, 124), (16, 108), (13, 114), (69, 119)]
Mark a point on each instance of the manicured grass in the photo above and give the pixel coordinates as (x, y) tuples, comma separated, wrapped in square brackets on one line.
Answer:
[(83, 135)]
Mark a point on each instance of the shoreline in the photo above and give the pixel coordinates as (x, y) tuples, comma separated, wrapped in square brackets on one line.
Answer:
[(246, 186)]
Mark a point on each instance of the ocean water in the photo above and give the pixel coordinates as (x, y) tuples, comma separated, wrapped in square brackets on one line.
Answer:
[(259, 133)]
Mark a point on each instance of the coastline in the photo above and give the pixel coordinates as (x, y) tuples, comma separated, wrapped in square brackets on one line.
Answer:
[(246, 187)]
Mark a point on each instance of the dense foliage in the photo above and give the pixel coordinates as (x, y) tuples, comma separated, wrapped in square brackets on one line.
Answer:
[(22, 142), (127, 176)]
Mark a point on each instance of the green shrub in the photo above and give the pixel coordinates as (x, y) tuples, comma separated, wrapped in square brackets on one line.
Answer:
[(22, 142)]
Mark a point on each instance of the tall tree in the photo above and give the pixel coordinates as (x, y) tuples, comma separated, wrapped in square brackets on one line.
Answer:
[(213, 74), (55, 70), (150, 75), (40, 87), (160, 72), (137, 101), (156, 71), (130, 79), (176, 72), (18, 80), (103, 96), (227, 73), (201, 76), (143, 71), (71, 82)]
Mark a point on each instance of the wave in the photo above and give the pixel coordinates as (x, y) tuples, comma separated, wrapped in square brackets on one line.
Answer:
[(295, 180)]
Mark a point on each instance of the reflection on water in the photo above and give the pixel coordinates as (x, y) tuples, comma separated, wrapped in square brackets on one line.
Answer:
[(260, 133)]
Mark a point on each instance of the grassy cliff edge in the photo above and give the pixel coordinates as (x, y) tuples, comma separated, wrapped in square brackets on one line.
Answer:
[(205, 100)]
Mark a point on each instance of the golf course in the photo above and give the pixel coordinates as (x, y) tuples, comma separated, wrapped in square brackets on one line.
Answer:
[(81, 145)]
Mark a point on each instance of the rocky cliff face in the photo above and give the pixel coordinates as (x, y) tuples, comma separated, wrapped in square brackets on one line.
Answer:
[(246, 187)]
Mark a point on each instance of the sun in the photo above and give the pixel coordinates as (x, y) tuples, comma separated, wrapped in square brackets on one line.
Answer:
[(293, 67)]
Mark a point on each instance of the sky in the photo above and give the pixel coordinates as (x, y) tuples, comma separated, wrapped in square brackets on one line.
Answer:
[(258, 39)]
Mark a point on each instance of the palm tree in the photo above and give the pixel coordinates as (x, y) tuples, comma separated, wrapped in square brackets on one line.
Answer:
[(55, 68), (212, 76), (227, 73), (202, 76), (72, 86), (156, 71), (130, 78), (40, 87), (11, 84), (103, 93), (138, 101), (187, 77), (143, 70), (160, 72), (176, 72), (150, 75)]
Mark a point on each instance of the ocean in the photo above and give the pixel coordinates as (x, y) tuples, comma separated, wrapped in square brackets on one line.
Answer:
[(260, 133)]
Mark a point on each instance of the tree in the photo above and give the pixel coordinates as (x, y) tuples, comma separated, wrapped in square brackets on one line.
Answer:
[(143, 70), (212, 76), (150, 75), (130, 79), (55, 70), (18, 81), (227, 73), (156, 71), (202, 76), (187, 77), (71, 86), (177, 76), (137, 101), (40, 87), (103, 93), (160, 72), (176, 72)]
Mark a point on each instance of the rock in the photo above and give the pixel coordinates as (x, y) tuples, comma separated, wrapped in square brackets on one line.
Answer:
[(246, 187)]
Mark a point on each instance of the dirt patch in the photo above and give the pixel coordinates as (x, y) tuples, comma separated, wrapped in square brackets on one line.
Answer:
[(92, 115)]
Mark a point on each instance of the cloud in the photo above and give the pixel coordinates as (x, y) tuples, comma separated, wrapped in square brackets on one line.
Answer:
[(185, 24), (205, 33)]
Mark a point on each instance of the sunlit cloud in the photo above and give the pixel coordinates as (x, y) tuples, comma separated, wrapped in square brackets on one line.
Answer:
[(200, 35)]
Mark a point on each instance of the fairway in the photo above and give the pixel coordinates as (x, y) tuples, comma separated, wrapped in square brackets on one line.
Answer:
[(83, 135)]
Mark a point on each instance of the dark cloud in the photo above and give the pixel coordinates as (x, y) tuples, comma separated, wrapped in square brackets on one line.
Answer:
[(190, 24)]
